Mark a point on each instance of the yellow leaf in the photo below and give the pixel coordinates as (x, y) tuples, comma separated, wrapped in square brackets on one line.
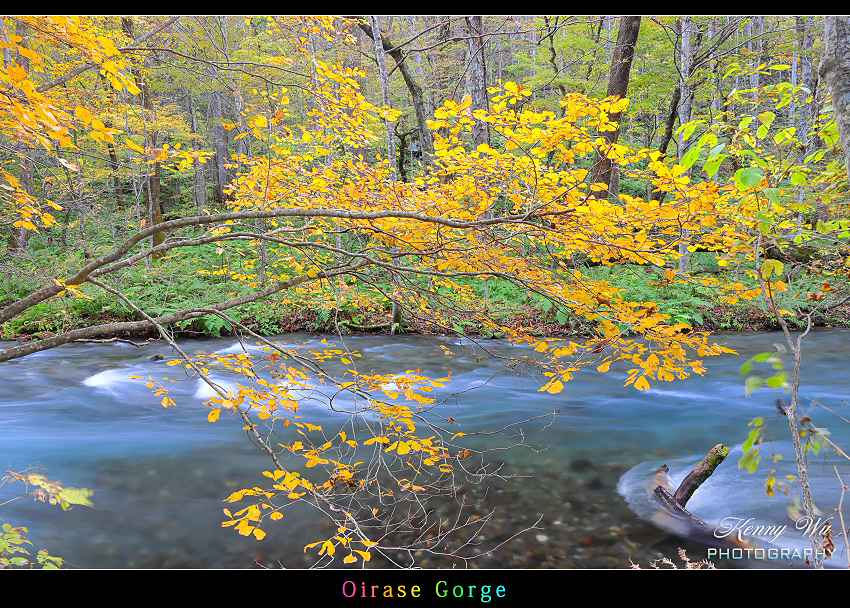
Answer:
[(134, 147), (213, 415), (67, 165), (641, 384), (26, 224), (82, 114), (364, 554), (382, 439), (349, 559), (259, 534)]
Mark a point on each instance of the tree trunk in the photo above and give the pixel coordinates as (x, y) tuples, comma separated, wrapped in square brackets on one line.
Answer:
[(800, 116), (391, 155), (686, 60), (200, 185), (151, 141), (477, 78), (618, 85), (835, 70), (755, 45), (20, 236), (381, 58), (672, 112), (426, 141), (220, 137)]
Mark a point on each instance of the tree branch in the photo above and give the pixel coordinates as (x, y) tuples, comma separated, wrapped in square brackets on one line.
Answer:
[(87, 66)]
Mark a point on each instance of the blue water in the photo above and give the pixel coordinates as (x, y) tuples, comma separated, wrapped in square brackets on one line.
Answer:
[(160, 474)]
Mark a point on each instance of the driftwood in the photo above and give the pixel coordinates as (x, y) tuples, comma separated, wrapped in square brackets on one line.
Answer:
[(701, 472), (365, 327), (675, 503), (669, 503)]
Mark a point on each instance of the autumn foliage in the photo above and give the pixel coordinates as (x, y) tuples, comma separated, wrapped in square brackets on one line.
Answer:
[(318, 217)]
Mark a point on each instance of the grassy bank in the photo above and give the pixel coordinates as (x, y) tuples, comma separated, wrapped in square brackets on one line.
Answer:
[(186, 281)]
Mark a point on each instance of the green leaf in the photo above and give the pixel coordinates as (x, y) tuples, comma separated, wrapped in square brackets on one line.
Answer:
[(772, 194), (766, 118), (816, 155), (798, 178), (745, 368), (690, 158), (752, 384), (688, 128), (734, 67), (776, 381), (76, 496), (749, 177), (708, 137), (713, 164), (786, 133), (771, 267)]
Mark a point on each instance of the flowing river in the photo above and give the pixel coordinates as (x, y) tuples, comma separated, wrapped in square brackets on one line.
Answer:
[(582, 476)]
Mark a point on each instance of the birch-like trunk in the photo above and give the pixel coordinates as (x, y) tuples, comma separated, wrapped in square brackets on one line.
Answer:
[(477, 77), (835, 71), (686, 57), (381, 58)]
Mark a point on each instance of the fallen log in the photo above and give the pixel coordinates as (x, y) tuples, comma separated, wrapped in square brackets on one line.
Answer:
[(672, 505), (674, 517), (357, 327), (701, 472)]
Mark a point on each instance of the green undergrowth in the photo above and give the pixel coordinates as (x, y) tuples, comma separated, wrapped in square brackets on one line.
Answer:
[(193, 279)]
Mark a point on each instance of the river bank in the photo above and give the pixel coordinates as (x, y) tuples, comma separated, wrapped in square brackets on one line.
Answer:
[(746, 316)]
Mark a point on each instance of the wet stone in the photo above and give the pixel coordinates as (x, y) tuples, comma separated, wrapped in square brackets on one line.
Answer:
[(580, 465)]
